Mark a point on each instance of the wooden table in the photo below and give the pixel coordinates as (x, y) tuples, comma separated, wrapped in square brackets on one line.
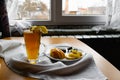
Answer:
[(106, 67)]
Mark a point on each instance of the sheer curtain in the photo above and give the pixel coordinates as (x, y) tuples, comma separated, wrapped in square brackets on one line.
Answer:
[(12, 13), (115, 20), (109, 10), (113, 13), (11, 7), (15, 26)]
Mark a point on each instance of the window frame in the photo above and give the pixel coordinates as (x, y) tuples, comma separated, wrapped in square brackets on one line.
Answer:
[(80, 20), (57, 18)]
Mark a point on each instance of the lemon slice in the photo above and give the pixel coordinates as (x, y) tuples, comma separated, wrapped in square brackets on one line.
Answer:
[(42, 29), (68, 57)]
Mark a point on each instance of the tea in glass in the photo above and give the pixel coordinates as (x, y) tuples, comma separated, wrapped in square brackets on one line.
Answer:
[(32, 42)]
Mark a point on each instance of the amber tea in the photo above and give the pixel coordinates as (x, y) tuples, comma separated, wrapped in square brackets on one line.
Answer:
[(32, 43)]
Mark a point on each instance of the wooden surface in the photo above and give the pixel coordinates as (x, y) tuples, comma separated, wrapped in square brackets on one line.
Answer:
[(107, 68)]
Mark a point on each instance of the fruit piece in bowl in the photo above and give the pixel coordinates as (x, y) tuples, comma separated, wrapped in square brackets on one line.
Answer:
[(73, 54), (57, 53)]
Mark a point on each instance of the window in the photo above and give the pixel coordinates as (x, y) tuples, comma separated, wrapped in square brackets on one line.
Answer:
[(83, 7), (29, 9), (58, 12), (82, 11)]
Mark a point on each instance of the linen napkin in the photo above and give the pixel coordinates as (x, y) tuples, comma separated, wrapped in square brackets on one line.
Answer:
[(7, 46), (46, 69)]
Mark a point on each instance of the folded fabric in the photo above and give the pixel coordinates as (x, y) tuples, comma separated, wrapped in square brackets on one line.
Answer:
[(7, 45), (46, 69), (84, 69)]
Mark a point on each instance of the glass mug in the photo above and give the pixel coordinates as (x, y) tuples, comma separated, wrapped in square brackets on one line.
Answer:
[(32, 42)]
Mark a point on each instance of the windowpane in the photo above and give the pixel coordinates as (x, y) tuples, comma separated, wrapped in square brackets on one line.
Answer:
[(84, 7), (29, 9), (58, 12)]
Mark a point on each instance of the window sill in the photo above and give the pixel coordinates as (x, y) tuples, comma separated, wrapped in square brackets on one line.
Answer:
[(80, 32)]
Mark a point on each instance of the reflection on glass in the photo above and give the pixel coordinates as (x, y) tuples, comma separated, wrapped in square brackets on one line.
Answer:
[(29, 9), (84, 7)]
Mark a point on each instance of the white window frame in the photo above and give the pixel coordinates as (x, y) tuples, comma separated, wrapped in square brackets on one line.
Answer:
[(58, 19)]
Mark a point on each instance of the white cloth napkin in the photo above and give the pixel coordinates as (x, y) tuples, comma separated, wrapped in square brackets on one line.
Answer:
[(8, 45), (83, 69)]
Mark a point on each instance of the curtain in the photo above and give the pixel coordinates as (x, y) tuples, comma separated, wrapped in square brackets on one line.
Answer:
[(112, 8), (16, 27), (115, 20), (4, 23)]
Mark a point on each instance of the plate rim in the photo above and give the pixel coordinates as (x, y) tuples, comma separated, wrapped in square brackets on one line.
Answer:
[(64, 60)]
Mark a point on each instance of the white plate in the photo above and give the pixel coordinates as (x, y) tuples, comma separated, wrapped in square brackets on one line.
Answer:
[(65, 48)]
